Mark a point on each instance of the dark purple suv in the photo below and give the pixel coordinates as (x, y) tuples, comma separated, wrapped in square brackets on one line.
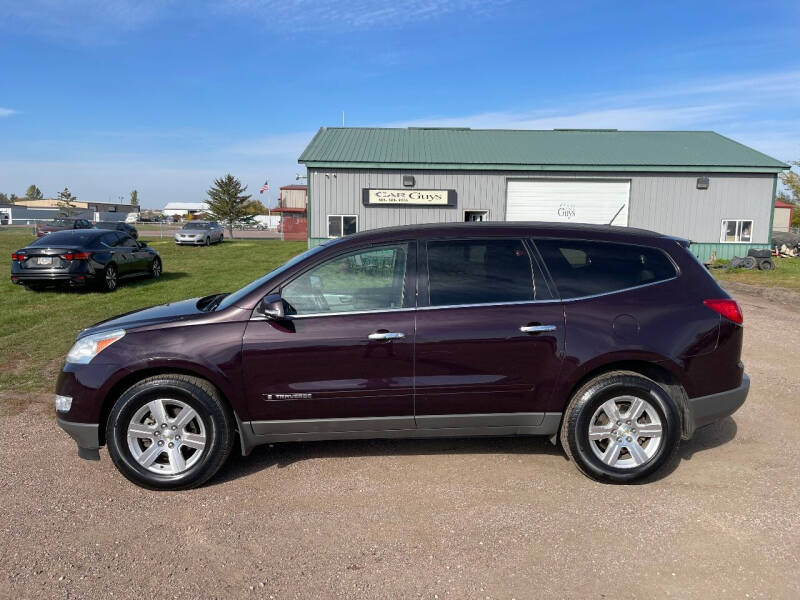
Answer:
[(615, 341)]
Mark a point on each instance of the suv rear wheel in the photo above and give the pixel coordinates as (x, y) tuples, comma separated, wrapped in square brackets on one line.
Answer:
[(169, 432), (620, 427)]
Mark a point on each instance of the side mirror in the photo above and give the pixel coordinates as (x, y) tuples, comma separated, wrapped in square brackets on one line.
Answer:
[(142, 244), (271, 307)]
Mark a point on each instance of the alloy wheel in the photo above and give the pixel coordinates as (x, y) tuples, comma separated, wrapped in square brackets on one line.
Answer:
[(625, 432), (155, 268), (166, 436), (111, 278)]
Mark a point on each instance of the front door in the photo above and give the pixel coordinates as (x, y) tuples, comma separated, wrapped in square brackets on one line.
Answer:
[(490, 336), (342, 360)]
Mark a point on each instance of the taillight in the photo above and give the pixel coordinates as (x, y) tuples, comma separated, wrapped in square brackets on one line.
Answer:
[(16, 256), (727, 308), (76, 255)]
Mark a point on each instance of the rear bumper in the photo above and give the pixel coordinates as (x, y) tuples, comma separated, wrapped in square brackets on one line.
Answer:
[(72, 278), (86, 435), (705, 410)]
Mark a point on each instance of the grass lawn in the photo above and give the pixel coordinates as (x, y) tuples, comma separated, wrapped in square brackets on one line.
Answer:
[(38, 328), (786, 274)]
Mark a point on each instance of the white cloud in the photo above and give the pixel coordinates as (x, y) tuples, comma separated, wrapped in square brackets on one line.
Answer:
[(317, 15), (288, 145), (751, 109), (635, 117), (100, 21), (6, 112), (79, 20)]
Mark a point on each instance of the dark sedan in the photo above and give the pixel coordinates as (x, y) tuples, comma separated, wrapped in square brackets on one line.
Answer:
[(83, 257), (118, 226), (43, 229)]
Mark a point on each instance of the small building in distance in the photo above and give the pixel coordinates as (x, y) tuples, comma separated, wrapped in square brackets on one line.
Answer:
[(184, 209), (782, 218), (29, 212), (292, 206)]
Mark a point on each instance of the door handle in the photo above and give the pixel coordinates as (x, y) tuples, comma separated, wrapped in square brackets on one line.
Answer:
[(386, 335), (537, 328)]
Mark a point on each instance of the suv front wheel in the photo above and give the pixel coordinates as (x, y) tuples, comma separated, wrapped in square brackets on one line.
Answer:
[(169, 432), (620, 427)]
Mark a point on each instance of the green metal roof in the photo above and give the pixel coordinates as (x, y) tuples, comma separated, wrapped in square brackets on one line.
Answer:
[(558, 149)]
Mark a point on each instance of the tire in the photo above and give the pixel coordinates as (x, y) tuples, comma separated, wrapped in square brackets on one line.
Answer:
[(110, 280), (587, 409), (759, 252), (175, 464), (156, 268), (208, 241), (766, 264), (221, 237), (749, 262)]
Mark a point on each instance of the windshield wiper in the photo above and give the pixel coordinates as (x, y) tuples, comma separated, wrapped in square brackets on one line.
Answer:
[(215, 302)]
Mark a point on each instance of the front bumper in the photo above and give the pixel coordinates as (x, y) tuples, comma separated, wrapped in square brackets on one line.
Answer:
[(86, 435), (705, 410), (190, 241)]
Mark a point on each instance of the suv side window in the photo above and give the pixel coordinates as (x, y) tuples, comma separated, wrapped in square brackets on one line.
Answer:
[(482, 271), (582, 268), (127, 242), (368, 279)]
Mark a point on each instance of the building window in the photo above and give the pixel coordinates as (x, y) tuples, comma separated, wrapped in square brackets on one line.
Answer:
[(340, 225), (476, 215), (736, 231)]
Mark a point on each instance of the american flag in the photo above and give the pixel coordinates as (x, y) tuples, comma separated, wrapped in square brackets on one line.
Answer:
[(265, 187)]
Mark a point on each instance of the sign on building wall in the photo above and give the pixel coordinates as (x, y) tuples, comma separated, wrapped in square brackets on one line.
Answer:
[(420, 198)]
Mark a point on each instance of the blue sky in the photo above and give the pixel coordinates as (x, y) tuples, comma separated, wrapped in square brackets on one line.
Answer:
[(105, 96)]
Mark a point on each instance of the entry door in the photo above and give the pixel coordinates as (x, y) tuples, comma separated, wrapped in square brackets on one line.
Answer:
[(343, 358), (490, 342)]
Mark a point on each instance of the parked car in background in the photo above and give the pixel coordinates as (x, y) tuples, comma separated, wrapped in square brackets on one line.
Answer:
[(42, 229), (199, 233), (86, 257), (118, 226), (615, 341)]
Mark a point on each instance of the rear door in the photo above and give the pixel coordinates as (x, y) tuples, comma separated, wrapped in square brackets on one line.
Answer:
[(127, 250), (490, 335), (343, 359)]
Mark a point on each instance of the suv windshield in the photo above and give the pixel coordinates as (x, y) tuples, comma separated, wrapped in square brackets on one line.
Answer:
[(232, 299), (196, 226), (62, 222)]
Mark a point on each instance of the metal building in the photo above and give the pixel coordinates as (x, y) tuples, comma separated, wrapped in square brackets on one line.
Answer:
[(695, 184)]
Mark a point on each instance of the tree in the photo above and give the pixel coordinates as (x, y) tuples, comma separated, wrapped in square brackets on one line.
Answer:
[(33, 193), (255, 207), (66, 201), (134, 198), (227, 200), (791, 179), (4, 199), (14, 198)]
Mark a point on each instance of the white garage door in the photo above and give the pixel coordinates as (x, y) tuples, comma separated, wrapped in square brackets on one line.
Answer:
[(569, 201)]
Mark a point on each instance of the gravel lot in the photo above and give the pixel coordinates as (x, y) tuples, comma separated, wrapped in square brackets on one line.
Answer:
[(495, 518)]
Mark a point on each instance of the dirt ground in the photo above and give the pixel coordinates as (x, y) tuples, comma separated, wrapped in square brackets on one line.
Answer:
[(489, 518)]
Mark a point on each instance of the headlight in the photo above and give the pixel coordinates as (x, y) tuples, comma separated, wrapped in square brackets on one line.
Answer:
[(85, 349)]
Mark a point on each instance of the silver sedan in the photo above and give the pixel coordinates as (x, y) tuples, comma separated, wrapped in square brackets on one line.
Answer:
[(199, 233)]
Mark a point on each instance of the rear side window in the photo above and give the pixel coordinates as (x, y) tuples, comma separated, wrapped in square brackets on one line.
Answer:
[(481, 272), (582, 268)]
